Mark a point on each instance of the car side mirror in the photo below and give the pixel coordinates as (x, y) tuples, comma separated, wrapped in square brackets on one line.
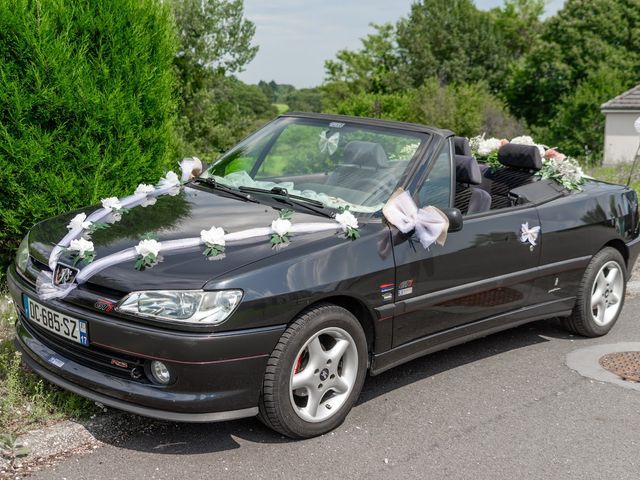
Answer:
[(455, 218)]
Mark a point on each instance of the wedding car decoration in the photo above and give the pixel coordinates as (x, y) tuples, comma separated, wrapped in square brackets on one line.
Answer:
[(429, 223), (329, 144), (555, 165), (291, 332), (214, 241), (281, 228), (348, 223), (81, 250), (147, 252), (529, 234)]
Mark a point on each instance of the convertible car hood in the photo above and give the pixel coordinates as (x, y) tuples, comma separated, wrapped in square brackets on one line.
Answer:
[(171, 218)]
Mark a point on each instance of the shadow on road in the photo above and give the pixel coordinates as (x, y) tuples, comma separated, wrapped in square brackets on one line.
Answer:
[(168, 438)]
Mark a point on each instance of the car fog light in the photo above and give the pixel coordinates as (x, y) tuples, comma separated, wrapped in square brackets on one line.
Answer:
[(160, 372)]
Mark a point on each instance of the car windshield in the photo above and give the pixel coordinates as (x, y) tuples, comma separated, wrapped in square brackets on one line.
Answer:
[(337, 163)]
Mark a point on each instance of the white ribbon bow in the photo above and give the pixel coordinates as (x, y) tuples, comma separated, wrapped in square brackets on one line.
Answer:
[(529, 235), (430, 223), (329, 143)]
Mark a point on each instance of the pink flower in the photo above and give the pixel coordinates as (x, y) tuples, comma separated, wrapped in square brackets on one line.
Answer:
[(504, 141), (551, 153)]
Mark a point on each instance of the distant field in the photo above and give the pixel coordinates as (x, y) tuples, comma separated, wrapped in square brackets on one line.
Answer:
[(282, 107)]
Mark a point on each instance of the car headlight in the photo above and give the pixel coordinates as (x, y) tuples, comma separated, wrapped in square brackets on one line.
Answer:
[(22, 255), (186, 306)]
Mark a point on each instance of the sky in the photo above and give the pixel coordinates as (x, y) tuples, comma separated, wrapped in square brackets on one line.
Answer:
[(296, 37)]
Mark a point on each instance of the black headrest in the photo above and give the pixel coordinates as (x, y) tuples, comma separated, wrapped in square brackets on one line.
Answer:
[(520, 156), (365, 154), (461, 146), (467, 170)]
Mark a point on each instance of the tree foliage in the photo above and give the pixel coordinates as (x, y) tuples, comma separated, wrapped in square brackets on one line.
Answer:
[(375, 68), (86, 105), (580, 39), (453, 41), (219, 114), (577, 128), (215, 110), (552, 74), (214, 36), (466, 109)]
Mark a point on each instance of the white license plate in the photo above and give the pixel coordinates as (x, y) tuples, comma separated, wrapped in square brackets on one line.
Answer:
[(56, 322)]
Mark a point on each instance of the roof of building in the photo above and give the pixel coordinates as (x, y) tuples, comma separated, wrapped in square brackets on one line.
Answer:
[(629, 100)]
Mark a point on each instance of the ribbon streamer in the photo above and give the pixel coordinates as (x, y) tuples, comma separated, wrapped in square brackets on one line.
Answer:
[(429, 223), (164, 188), (47, 290)]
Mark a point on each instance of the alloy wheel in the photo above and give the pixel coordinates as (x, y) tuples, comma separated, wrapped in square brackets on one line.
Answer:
[(606, 293), (323, 374)]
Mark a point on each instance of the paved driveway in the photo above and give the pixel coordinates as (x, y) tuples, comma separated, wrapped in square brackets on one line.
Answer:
[(504, 407)]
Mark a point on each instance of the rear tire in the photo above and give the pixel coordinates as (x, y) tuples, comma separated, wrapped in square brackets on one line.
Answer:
[(600, 295), (315, 373)]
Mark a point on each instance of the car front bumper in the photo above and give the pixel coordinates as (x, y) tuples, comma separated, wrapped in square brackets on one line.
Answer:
[(217, 376)]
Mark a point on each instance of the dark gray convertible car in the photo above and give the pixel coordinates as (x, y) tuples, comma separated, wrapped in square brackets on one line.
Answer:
[(319, 250)]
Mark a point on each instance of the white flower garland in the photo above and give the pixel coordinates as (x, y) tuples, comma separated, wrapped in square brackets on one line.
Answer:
[(146, 252)]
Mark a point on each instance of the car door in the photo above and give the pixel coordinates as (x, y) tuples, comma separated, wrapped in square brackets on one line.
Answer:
[(481, 271)]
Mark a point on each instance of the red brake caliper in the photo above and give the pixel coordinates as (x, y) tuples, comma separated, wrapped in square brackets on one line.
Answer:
[(298, 365)]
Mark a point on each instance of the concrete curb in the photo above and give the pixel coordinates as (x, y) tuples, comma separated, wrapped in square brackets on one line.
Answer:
[(585, 362), (49, 444)]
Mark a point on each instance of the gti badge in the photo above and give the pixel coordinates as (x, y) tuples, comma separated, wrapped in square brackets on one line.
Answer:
[(64, 275), (104, 305)]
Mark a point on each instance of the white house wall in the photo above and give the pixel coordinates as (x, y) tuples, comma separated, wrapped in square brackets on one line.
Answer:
[(620, 137)]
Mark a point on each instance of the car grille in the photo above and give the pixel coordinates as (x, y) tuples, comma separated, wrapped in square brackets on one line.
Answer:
[(93, 357)]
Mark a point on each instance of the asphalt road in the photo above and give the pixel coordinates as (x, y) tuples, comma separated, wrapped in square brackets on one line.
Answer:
[(504, 407)]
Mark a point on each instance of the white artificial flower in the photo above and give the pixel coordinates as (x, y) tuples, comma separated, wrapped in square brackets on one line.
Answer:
[(346, 220), (169, 180), (79, 221), (523, 140), (144, 188), (148, 247), (281, 227), (81, 246), (172, 177), (213, 236), (489, 146), (148, 202), (474, 142), (111, 203)]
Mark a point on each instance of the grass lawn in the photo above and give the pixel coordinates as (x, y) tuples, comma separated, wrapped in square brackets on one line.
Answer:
[(617, 174), (26, 401)]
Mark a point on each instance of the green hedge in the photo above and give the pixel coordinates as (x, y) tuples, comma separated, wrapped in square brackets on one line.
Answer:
[(86, 105)]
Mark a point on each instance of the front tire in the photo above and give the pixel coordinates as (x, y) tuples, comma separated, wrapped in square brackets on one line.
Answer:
[(600, 295), (315, 373)]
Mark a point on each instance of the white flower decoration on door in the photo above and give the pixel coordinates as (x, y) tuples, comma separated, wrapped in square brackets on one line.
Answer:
[(529, 234)]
